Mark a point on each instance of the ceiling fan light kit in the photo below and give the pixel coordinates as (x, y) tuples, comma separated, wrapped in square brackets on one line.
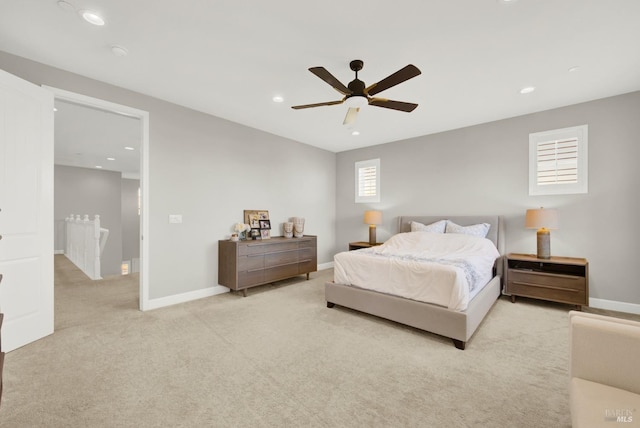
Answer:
[(357, 94)]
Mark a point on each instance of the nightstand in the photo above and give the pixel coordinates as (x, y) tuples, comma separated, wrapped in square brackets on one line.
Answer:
[(361, 244), (558, 279)]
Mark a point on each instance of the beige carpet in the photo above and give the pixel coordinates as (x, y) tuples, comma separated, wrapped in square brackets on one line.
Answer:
[(279, 358)]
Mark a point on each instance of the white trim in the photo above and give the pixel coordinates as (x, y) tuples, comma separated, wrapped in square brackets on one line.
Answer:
[(324, 266), (612, 305), (175, 299), (58, 251), (73, 97)]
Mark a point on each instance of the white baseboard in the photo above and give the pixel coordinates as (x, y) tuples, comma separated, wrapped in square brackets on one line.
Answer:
[(612, 305), (200, 294), (184, 297), (324, 266), (58, 251)]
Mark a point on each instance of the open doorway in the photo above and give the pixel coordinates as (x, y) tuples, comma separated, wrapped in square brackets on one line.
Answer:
[(97, 136)]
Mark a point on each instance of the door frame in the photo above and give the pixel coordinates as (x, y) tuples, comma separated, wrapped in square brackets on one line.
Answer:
[(143, 116)]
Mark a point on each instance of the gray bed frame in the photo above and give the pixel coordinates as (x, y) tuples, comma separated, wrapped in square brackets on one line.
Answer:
[(457, 325)]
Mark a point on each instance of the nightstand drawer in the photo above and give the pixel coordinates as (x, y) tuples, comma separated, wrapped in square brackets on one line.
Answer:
[(537, 279), (557, 288)]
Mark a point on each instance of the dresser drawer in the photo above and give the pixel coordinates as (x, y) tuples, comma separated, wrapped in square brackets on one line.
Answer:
[(250, 277), (280, 272), (307, 243), (280, 258), (245, 249), (307, 265), (255, 261)]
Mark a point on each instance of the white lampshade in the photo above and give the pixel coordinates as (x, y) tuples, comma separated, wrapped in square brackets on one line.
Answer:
[(541, 218), (356, 101), (372, 217)]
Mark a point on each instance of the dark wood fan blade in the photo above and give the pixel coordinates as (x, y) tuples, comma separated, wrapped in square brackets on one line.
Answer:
[(395, 105), (328, 103), (322, 73), (409, 72)]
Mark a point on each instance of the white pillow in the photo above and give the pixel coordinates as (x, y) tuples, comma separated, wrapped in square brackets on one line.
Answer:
[(480, 229), (436, 227)]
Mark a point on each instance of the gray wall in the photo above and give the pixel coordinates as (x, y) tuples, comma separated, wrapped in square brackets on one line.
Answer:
[(209, 170), (483, 169), (130, 219), (91, 191)]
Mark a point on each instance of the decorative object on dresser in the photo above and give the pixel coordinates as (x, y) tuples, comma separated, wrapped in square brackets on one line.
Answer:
[(245, 264), (362, 244), (241, 230), (457, 322), (287, 229), (557, 279), (372, 218), (265, 229), (543, 220), (253, 219), (298, 227)]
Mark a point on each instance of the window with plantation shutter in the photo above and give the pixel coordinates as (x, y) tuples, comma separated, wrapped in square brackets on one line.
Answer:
[(368, 181), (558, 161)]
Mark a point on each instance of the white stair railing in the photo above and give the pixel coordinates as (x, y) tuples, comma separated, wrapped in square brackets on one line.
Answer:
[(85, 243)]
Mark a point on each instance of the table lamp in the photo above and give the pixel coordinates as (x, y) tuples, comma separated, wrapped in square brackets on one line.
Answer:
[(372, 218), (543, 220)]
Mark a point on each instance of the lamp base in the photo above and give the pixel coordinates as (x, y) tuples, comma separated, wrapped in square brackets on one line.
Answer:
[(544, 244), (372, 234)]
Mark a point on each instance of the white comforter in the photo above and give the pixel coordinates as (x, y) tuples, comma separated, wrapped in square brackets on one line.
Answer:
[(439, 268)]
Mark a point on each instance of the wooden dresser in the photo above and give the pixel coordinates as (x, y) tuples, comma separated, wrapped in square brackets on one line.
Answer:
[(246, 264)]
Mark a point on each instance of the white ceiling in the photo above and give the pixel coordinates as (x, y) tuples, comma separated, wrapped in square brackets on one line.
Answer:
[(229, 58)]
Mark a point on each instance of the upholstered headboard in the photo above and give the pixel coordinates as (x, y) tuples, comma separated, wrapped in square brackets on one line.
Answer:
[(495, 234)]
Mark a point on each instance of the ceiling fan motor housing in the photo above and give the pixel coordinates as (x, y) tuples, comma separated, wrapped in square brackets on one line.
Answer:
[(357, 95)]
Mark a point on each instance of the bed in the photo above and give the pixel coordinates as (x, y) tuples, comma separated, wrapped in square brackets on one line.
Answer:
[(447, 320)]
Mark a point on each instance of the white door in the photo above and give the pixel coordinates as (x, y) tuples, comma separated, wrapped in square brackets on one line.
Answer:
[(26, 211)]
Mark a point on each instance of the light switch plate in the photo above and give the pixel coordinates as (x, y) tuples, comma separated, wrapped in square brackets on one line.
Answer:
[(175, 218)]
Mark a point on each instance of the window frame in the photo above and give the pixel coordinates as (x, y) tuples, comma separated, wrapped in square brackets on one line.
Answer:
[(580, 134), (359, 199)]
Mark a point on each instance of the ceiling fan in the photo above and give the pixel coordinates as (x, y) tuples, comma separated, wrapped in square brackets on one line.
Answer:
[(357, 95)]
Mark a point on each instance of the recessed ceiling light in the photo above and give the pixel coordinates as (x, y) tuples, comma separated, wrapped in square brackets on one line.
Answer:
[(111, 158), (92, 17), (574, 68), (277, 99), (507, 1), (527, 90), (99, 166), (119, 50), (355, 133), (66, 6), (129, 148)]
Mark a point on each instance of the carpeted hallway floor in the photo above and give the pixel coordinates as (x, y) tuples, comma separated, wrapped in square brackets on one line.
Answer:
[(279, 358)]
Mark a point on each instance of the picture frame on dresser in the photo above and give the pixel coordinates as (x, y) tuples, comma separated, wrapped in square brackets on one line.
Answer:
[(265, 224), (253, 217)]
